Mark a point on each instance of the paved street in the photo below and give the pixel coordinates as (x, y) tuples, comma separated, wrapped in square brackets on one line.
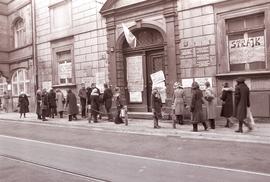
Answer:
[(115, 156)]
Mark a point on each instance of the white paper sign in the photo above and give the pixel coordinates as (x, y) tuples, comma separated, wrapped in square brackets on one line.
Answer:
[(135, 73), (157, 77), (135, 97), (47, 85), (201, 82), (186, 83)]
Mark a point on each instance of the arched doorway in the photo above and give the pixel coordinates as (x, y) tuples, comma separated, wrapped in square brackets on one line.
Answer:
[(139, 63)]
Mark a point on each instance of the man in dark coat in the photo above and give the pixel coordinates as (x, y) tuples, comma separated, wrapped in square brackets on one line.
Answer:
[(52, 103), (39, 100), (227, 103), (71, 104), (44, 106), (83, 97), (94, 102), (107, 99), (241, 103), (196, 107)]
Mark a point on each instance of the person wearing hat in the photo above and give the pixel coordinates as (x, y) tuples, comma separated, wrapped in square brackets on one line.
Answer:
[(118, 103), (178, 103), (156, 106), (94, 97), (210, 105), (227, 103), (196, 107), (72, 106), (242, 102)]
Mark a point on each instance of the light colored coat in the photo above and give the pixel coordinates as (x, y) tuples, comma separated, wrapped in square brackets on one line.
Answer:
[(210, 105), (179, 101), (60, 101)]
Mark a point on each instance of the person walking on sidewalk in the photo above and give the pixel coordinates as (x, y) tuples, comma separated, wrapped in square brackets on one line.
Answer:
[(83, 97), (227, 103), (6, 98), (118, 103), (196, 107), (44, 105), (210, 105), (72, 105), (107, 99), (38, 100), (52, 103), (242, 102), (23, 104), (60, 102), (178, 104), (156, 106)]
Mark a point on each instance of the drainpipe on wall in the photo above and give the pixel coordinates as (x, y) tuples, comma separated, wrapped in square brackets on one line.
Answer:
[(34, 45)]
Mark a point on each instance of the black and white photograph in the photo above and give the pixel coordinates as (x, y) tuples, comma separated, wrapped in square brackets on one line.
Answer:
[(134, 90)]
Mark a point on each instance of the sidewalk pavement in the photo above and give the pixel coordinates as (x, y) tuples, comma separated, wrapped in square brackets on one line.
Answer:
[(260, 134)]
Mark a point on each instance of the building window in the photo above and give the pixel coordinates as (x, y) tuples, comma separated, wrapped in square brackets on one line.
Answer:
[(64, 62), (61, 16), (19, 33), (20, 82), (246, 43), (3, 85)]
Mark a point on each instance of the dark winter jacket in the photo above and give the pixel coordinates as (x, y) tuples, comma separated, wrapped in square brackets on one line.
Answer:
[(241, 101), (72, 103), (23, 103), (227, 102)]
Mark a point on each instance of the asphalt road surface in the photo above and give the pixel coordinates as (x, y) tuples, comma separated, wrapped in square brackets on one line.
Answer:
[(54, 153)]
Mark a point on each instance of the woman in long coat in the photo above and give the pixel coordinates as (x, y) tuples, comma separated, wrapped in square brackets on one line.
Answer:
[(196, 107), (210, 102), (227, 103), (118, 103), (178, 103), (60, 102), (39, 100), (23, 104), (95, 102), (156, 106), (107, 99), (72, 105), (242, 102), (52, 103), (6, 98)]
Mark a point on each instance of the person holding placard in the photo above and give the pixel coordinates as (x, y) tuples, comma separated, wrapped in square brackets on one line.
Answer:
[(156, 106)]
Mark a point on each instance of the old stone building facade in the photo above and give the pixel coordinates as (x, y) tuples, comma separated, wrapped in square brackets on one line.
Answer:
[(17, 67), (82, 41)]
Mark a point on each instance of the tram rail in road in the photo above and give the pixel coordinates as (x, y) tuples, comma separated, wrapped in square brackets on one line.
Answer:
[(107, 166)]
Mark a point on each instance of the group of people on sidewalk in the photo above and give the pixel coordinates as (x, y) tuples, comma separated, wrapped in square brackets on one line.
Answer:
[(52, 103), (198, 98)]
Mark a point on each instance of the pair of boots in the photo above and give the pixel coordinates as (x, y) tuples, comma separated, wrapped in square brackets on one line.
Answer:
[(212, 123), (240, 129), (228, 123), (195, 126), (178, 120), (70, 117), (61, 114), (156, 123)]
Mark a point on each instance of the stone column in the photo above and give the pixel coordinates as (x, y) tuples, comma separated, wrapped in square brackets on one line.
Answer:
[(111, 28), (171, 50)]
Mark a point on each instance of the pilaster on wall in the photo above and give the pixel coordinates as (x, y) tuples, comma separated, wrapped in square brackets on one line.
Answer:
[(171, 17), (111, 31)]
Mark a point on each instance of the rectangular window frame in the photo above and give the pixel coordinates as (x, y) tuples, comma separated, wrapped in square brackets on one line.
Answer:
[(55, 61), (52, 8), (223, 65)]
